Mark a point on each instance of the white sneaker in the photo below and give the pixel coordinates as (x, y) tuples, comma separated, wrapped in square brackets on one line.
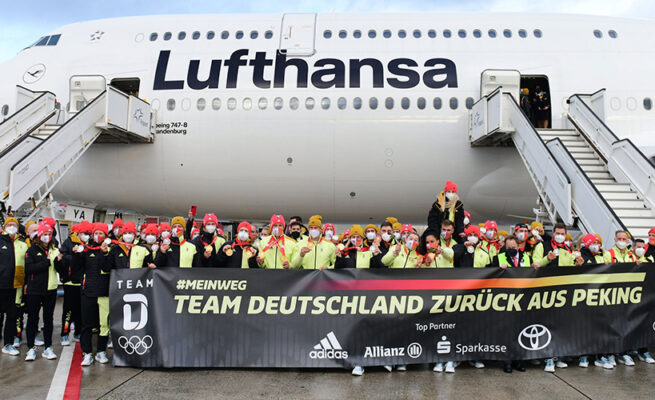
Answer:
[(438, 367), (16, 342), (389, 368), (358, 371), (401, 368), (646, 357), (477, 364), (626, 360), (88, 359), (110, 344), (49, 354), (11, 350), (65, 340), (38, 341), (583, 362), (31, 354), (450, 367), (102, 358), (561, 364), (603, 362), (550, 365)]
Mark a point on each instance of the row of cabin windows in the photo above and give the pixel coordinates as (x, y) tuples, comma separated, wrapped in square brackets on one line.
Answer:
[(325, 103), (210, 35), (431, 33)]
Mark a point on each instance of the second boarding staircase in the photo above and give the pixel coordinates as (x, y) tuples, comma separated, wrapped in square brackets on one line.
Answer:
[(586, 177), (36, 151)]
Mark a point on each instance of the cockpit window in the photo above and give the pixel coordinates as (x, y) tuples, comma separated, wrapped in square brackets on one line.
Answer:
[(51, 40)]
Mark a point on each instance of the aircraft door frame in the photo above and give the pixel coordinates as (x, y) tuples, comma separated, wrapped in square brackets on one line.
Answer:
[(298, 34)]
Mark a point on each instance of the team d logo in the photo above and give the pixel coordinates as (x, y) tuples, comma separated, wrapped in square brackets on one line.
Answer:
[(534, 337), (135, 311), (328, 348)]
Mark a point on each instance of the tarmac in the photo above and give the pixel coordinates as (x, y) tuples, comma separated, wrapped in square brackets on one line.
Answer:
[(39, 379)]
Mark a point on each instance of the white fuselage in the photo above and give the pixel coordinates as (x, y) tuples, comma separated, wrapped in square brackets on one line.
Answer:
[(347, 164)]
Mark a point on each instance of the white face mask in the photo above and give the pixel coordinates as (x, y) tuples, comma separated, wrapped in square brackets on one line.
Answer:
[(404, 237), (11, 230), (116, 231), (466, 220), (410, 245), (45, 239), (276, 231), (165, 234), (640, 251), (195, 235), (176, 232), (449, 196), (143, 236), (128, 237), (371, 235), (521, 236), (32, 235), (535, 233), (483, 231), (314, 233), (490, 234), (328, 235), (84, 237), (568, 243), (621, 245), (150, 239), (386, 236), (353, 241), (396, 235), (98, 238), (243, 236), (473, 239), (560, 238), (210, 228), (372, 249), (594, 248)]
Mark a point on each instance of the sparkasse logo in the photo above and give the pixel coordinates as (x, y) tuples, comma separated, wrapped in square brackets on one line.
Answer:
[(328, 348)]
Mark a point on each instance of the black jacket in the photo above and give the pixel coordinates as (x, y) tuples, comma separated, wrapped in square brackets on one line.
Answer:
[(172, 258), (343, 262), (462, 258), (376, 261), (234, 261), (118, 259), (205, 237), (586, 255), (7, 262), (95, 281), (72, 262), (37, 269), (435, 217)]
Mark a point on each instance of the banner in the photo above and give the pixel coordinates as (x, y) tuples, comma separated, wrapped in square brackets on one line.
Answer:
[(174, 317)]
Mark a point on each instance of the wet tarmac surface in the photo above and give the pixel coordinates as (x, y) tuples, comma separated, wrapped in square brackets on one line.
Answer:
[(32, 380)]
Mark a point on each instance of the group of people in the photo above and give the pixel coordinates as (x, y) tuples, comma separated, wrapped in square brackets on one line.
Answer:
[(33, 263)]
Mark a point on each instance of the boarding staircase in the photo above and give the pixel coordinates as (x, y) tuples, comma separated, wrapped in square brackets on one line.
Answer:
[(36, 151), (586, 177)]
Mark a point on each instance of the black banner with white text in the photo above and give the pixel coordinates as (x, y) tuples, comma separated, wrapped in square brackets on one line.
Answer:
[(174, 317)]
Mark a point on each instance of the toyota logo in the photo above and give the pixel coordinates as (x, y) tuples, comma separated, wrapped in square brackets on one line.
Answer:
[(534, 337), (135, 344)]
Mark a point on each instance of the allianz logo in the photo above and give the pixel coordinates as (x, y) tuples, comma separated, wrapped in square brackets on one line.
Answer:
[(328, 348), (414, 350)]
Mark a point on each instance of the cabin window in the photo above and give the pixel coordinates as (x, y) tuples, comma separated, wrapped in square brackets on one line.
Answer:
[(386, 33), (181, 36), (469, 102), (201, 104), (432, 34), (343, 34), (310, 103), (598, 33), (613, 34), (278, 103), (195, 35), (417, 33), (225, 35), (262, 103), (507, 33), (167, 36), (373, 103), (388, 103), (293, 103), (537, 33), (648, 103), (492, 33), (239, 35), (447, 33), (254, 34), (342, 103), (453, 103), (402, 34), (325, 103), (461, 33), (5, 110), (357, 33), (327, 34), (231, 103), (372, 34), (404, 103), (216, 103), (477, 33), (420, 103), (210, 35), (523, 33), (268, 34), (357, 103), (436, 103), (170, 104), (153, 37), (247, 103)]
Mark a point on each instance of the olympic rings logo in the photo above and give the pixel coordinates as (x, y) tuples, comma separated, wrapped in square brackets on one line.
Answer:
[(135, 344)]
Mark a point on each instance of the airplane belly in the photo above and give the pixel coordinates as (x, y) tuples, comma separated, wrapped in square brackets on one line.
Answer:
[(347, 170)]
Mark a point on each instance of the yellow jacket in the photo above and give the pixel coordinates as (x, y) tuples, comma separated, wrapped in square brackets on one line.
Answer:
[(484, 254), (405, 258), (272, 255), (321, 255), (620, 256)]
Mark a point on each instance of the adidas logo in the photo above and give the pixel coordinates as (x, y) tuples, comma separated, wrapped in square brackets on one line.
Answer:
[(4, 247), (328, 348)]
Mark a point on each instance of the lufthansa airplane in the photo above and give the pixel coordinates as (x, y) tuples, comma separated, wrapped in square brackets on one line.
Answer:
[(354, 116)]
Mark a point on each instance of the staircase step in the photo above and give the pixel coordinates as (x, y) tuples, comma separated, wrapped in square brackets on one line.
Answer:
[(584, 155), (589, 161), (558, 132), (615, 187), (646, 223), (599, 176), (576, 145), (633, 213), (593, 168), (639, 233), (632, 204), (620, 195)]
